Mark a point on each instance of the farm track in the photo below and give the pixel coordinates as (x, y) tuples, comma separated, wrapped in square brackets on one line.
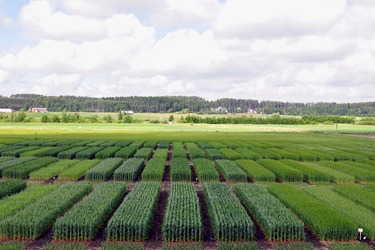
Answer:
[(154, 240)]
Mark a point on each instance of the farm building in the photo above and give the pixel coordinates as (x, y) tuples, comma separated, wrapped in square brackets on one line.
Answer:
[(39, 110), (127, 112), (6, 110)]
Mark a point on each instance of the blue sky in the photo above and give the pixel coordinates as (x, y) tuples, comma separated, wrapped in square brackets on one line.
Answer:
[(291, 50)]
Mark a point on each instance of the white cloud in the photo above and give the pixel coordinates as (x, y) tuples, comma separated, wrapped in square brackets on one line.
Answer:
[(273, 18), (316, 51)]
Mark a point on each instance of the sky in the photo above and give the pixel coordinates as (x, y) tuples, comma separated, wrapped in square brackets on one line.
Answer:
[(290, 50)]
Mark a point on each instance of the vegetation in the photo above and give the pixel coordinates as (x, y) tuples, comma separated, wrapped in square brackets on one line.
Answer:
[(22, 170), (35, 218), (182, 219), (144, 153), (104, 169), (248, 154), (255, 171), (230, 154), (84, 220), (51, 170), (282, 171), (132, 221), (15, 162), (161, 153), (358, 194), (231, 171), (205, 170), (229, 219), (9, 205), (70, 153), (129, 170), (126, 153), (107, 152), (326, 222), (9, 187), (310, 174), (88, 153), (77, 170), (238, 246), (276, 221), (334, 175), (358, 173), (362, 216), (180, 170), (349, 246), (154, 170), (194, 151)]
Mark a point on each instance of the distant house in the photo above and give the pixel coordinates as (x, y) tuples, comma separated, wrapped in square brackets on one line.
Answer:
[(127, 112), (39, 110), (6, 110), (221, 110)]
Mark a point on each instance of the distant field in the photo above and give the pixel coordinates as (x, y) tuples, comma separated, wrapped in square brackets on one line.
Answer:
[(180, 132)]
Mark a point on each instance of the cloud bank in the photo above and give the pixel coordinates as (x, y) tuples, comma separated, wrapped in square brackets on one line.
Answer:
[(292, 50)]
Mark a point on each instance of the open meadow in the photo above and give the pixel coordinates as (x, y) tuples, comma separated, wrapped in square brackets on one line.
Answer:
[(186, 186)]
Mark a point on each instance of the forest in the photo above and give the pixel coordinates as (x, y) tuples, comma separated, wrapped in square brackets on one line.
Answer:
[(185, 104)]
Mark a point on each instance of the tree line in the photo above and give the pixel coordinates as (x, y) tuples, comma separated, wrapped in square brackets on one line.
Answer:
[(184, 104)]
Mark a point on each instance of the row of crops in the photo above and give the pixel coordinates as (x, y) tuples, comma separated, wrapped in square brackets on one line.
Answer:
[(129, 169), (237, 210), (230, 150), (283, 212)]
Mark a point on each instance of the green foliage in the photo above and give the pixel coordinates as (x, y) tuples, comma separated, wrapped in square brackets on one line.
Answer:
[(150, 144), (238, 246), (13, 245), (163, 144), (182, 246), (229, 219), (22, 170), (255, 171), (15, 162), (132, 221), (326, 222), (84, 220), (64, 246), (358, 194), (348, 246), (230, 154), (35, 152), (9, 187), (137, 144), (294, 246), (9, 205), (77, 170), (310, 174), (144, 153), (36, 218), (284, 154), (51, 170), (70, 153), (121, 246), (104, 169), (205, 170), (178, 150), (217, 145), (359, 173), (171, 118), (204, 145), (54, 151), (335, 175), (17, 152), (363, 217), (231, 171), (276, 221), (195, 151), (182, 219), (107, 152), (123, 143), (88, 153), (129, 170), (302, 154), (126, 152), (267, 154), (248, 154), (283, 172), (214, 154), (161, 153), (180, 170), (154, 170)]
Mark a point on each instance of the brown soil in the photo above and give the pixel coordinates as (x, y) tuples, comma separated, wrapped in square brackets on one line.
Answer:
[(371, 136)]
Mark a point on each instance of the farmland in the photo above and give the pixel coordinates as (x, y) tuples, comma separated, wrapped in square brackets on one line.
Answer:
[(111, 186)]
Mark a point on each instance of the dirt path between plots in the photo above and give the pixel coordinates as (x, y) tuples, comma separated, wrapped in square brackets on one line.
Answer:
[(371, 136)]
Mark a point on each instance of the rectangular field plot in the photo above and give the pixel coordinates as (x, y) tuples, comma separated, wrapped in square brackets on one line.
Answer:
[(85, 219), (310, 174), (129, 170), (22, 170), (132, 221), (360, 174), (277, 222), (229, 219), (231, 171), (255, 171), (104, 169), (182, 219), (205, 170), (180, 170), (36, 218), (282, 171), (154, 170), (78, 170), (51, 170), (326, 222)]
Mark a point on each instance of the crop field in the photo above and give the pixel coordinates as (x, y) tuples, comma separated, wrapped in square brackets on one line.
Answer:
[(185, 187)]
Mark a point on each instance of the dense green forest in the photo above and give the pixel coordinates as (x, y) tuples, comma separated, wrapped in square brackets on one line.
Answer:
[(182, 103)]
